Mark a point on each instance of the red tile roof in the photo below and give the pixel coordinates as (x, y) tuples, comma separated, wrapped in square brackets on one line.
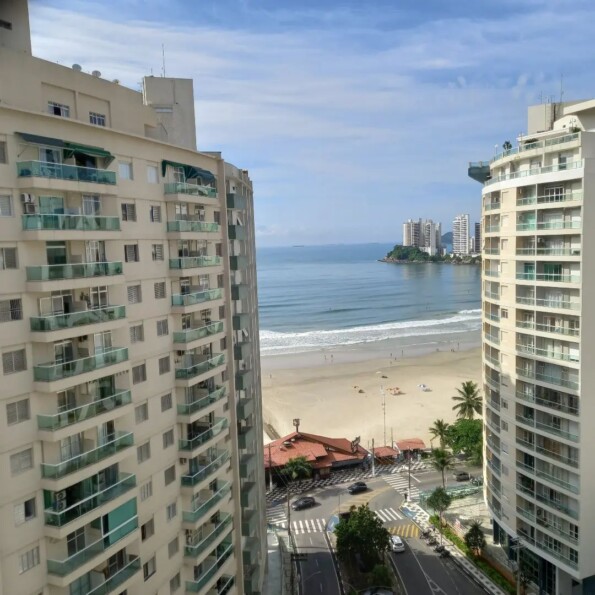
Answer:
[(385, 451), (411, 444)]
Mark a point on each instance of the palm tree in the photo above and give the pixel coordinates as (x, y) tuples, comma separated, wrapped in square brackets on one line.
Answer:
[(474, 538), (440, 430), (469, 400), (297, 468), (442, 460)]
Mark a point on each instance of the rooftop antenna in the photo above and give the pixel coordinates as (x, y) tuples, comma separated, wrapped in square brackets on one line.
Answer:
[(561, 86), (163, 59)]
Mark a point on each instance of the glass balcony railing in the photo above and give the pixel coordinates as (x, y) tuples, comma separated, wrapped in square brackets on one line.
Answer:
[(552, 277), (117, 578), (226, 588), (62, 171), (207, 575), (574, 488), (193, 515), (201, 332), (535, 171), (65, 567), (556, 431), (59, 370), (492, 251), (55, 322), (556, 505), (126, 481), (534, 225), (189, 299), (492, 228), (571, 461), (209, 399), (494, 317), (491, 206), (193, 226), (192, 262), (200, 367), (120, 442), (548, 328), (69, 417), (531, 251), (495, 467), (192, 189), (550, 198), (84, 270), (205, 436), (491, 273), (550, 142), (195, 549), (492, 295), (557, 380), (191, 479), (57, 222), (549, 303), (546, 353)]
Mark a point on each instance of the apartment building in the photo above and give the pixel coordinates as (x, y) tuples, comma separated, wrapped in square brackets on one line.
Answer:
[(412, 233), (477, 238), (537, 323), (460, 235), (425, 235), (130, 414)]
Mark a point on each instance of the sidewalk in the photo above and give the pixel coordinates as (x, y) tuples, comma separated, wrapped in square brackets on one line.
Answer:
[(421, 518), (273, 578)]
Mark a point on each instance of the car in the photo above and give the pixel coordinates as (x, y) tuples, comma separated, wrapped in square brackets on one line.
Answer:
[(396, 544), (461, 475), (357, 487), (303, 502)]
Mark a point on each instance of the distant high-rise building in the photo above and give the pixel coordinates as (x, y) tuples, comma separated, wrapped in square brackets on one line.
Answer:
[(412, 233), (477, 247), (439, 238), (460, 234), (425, 235)]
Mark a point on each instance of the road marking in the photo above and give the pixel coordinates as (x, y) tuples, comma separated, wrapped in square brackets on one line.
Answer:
[(418, 480), (396, 513), (311, 542), (316, 560), (301, 526)]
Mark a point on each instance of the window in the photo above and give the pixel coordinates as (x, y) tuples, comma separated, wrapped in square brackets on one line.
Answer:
[(155, 214), (137, 333), (149, 568), (160, 291), (143, 452), (131, 252), (135, 295), (171, 511), (97, 119), (139, 373), (17, 412), (5, 206), (504, 446), (166, 402), (157, 252), (21, 461), (3, 153), (11, 310), (125, 170), (147, 530), (504, 425), (504, 403), (58, 109), (146, 490), (8, 258), (174, 583), (28, 560), (170, 473), (152, 174), (168, 440), (25, 511), (128, 211), (173, 547), (503, 313), (14, 361), (141, 413), (162, 328), (164, 365)]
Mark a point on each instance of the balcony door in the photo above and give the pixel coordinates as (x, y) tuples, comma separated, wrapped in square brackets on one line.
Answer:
[(102, 342), (56, 252), (70, 447), (95, 251), (63, 352), (51, 205), (91, 205)]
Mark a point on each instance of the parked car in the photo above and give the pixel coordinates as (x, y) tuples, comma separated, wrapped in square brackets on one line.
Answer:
[(396, 544), (461, 475), (303, 502), (357, 487)]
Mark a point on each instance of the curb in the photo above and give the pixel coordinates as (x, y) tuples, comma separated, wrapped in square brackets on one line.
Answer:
[(335, 563)]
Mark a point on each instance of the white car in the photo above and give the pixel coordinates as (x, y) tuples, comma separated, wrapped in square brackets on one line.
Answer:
[(396, 544)]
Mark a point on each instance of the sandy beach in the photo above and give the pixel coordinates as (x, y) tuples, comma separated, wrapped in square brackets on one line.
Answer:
[(339, 393)]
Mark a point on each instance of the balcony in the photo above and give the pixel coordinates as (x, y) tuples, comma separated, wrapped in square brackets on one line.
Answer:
[(183, 225), (557, 380), (237, 263), (240, 321), (556, 505), (62, 171), (190, 189), (235, 201), (550, 142), (548, 303), (64, 272), (203, 508), (125, 483), (546, 353), (195, 549), (193, 334), (493, 274), (59, 370), (492, 295), (228, 586), (491, 206), (193, 262), (236, 232), (491, 228), (207, 575), (117, 578), (494, 466), (56, 322), (556, 431), (248, 464), (532, 251), (548, 277), (493, 361), (65, 567), (569, 487), (535, 171), (190, 480), (67, 418), (199, 297), (246, 438), (240, 291), (549, 199), (571, 461), (548, 328), (200, 367), (202, 438), (492, 251), (120, 442), (245, 408), (547, 225), (493, 317), (203, 402), (243, 379), (57, 222)]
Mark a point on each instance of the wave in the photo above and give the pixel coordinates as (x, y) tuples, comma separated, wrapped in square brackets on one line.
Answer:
[(275, 341)]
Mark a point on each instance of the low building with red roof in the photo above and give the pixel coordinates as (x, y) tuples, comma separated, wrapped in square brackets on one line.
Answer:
[(411, 445), (386, 454)]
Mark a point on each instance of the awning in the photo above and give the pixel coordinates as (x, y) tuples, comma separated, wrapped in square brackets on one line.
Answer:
[(71, 148), (42, 140), (190, 171)]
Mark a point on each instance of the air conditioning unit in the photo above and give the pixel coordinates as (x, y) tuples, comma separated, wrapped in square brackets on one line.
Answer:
[(61, 495), (60, 505), (27, 198), (29, 208)]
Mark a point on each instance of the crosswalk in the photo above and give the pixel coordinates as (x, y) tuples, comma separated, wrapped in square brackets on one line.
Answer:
[(401, 485), (408, 530), (388, 515)]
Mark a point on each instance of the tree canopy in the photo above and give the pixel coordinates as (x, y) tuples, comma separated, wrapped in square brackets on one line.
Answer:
[(439, 501), (442, 461), (297, 468), (474, 538), (466, 436), (468, 400), (440, 430)]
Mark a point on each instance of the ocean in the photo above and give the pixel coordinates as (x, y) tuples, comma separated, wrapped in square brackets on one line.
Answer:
[(318, 297)]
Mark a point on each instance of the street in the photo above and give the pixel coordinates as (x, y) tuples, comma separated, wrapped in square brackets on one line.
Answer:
[(422, 571)]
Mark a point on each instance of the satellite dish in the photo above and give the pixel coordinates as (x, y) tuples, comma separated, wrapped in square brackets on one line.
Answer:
[(77, 67), (96, 73)]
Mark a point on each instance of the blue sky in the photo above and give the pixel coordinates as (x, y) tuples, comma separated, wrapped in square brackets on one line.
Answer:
[(351, 116)]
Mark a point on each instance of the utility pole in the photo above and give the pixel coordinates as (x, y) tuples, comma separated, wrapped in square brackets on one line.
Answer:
[(384, 412), (409, 492), (392, 442), (270, 469), (373, 460)]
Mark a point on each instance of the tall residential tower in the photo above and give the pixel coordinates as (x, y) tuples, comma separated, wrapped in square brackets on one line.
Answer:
[(460, 234), (130, 415)]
